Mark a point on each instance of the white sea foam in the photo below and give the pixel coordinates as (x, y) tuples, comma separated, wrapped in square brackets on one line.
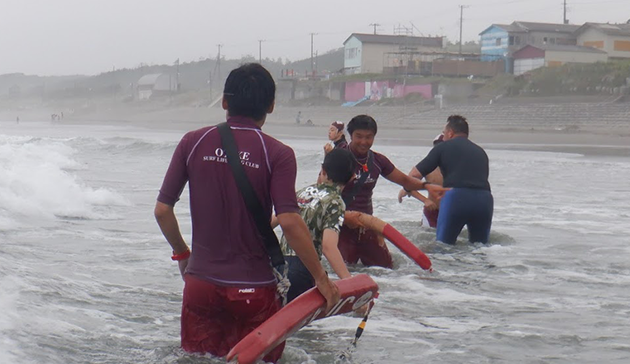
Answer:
[(38, 182), (9, 294)]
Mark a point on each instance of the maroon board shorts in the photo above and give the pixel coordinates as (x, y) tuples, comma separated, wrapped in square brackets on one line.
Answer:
[(215, 318), (355, 244), (431, 216)]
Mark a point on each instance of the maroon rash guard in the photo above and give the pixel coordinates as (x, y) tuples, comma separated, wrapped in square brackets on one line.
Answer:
[(357, 244), (227, 249), (363, 199)]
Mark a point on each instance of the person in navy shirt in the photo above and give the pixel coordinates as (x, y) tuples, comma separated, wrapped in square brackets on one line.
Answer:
[(465, 168), (230, 288)]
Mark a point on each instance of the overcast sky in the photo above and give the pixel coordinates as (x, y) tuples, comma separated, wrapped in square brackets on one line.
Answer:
[(60, 37)]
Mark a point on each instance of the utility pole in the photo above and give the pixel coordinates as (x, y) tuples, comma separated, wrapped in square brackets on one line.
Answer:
[(565, 13), (312, 59), (219, 62), (374, 25), (461, 23), (260, 50), (177, 75)]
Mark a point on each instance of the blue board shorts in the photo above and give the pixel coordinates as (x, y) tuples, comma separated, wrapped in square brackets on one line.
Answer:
[(465, 206)]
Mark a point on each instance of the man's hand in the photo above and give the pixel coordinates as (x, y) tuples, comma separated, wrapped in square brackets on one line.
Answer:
[(352, 219), (436, 190), (182, 266), (402, 193), (327, 148), (329, 290), (430, 205), (361, 311)]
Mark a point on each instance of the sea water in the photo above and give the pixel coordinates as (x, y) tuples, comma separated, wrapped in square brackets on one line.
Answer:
[(86, 276)]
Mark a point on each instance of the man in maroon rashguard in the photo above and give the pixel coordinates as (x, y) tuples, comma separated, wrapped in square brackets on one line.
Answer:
[(230, 287), (358, 243)]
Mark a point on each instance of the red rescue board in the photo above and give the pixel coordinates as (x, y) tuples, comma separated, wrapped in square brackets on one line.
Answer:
[(309, 306)]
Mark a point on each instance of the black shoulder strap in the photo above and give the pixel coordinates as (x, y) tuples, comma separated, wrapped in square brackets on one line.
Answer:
[(357, 186), (249, 195)]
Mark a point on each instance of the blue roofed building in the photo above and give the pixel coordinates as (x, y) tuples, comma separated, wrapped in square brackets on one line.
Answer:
[(495, 44), (500, 41)]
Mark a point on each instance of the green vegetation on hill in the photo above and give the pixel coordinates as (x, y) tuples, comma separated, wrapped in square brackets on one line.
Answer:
[(575, 78), (193, 76)]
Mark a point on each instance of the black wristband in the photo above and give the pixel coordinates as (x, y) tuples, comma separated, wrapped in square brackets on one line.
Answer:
[(406, 190)]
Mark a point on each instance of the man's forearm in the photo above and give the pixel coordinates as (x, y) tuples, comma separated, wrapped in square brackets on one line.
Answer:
[(167, 221), (415, 173), (413, 184), (331, 251)]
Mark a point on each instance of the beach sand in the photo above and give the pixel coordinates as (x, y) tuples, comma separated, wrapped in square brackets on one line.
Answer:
[(588, 128)]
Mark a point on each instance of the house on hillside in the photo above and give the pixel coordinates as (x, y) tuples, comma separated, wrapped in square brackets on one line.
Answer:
[(156, 84), (500, 41), (370, 53), (531, 57), (613, 39)]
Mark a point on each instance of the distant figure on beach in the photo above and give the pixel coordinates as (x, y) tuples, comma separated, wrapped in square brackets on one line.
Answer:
[(230, 285), (359, 243), (17, 120), (465, 168), (298, 117), (431, 209), (336, 136)]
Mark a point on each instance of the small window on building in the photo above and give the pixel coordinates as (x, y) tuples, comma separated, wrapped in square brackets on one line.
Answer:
[(552, 40), (511, 40), (351, 53), (498, 42), (545, 40)]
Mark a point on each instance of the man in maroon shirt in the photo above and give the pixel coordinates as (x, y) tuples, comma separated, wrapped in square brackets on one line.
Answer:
[(356, 242), (229, 287)]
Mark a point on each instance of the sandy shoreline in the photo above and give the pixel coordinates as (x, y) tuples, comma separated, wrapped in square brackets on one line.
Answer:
[(398, 125)]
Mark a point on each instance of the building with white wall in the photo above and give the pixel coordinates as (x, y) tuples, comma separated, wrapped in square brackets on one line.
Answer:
[(370, 53), (532, 57), (155, 84), (614, 39)]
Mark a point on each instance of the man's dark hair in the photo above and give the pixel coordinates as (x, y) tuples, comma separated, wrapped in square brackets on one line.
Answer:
[(339, 166), (457, 124), (249, 91), (362, 122)]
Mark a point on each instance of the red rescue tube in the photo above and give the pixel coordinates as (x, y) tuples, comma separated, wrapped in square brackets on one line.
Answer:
[(355, 292), (394, 236), (407, 247)]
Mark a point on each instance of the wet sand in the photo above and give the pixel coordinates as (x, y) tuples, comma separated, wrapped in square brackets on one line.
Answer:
[(404, 125)]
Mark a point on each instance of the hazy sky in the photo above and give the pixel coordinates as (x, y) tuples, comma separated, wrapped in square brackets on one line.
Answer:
[(58, 37)]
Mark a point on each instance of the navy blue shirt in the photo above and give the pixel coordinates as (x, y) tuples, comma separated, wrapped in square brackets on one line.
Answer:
[(463, 164)]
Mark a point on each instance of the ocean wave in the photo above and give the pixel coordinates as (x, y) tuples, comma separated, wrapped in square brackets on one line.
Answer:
[(9, 293), (38, 183)]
